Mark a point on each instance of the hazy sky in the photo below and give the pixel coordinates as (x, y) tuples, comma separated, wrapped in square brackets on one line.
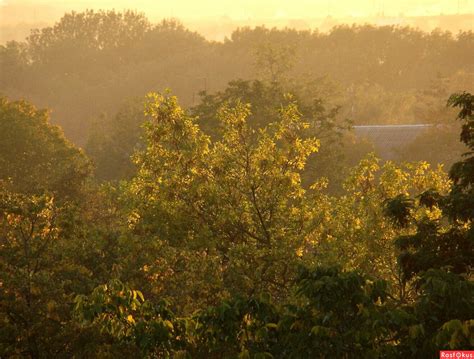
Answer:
[(244, 9)]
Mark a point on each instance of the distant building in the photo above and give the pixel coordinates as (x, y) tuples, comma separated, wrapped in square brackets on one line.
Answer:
[(387, 139)]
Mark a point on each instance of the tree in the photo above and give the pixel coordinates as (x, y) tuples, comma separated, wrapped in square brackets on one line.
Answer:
[(233, 206), (28, 231), (334, 313), (354, 225), (40, 272), (230, 216), (315, 101), (436, 244), (440, 253), (13, 62), (274, 62), (57, 235), (113, 141), (34, 155), (79, 38)]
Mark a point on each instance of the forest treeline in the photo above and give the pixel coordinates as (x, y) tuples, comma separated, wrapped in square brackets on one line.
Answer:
[(225, 246), (91, 67), (92, 62)]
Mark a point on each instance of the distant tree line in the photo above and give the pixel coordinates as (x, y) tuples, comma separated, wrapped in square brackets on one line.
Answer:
[(92, 62)]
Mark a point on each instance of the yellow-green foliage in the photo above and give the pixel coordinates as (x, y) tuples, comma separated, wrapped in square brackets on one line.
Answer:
[(234, 207), (355, 231)]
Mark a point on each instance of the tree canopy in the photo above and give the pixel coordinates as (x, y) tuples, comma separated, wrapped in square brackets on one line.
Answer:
[(35, 157)]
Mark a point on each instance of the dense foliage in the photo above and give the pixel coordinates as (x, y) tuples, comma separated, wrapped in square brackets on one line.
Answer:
[(233, 255), (35, 156), (249, 223)]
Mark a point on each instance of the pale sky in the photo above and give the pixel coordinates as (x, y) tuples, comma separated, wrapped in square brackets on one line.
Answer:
[(245, 9), (216, 19)]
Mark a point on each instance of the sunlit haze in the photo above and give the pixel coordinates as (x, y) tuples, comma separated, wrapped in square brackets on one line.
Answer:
[(245, 9), (236, 179), (216, 19)]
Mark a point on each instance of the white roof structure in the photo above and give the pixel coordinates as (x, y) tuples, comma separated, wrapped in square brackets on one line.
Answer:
[(387, 139)]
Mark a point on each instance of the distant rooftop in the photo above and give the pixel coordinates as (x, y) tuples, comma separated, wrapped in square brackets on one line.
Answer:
[(393, 126), (387, 139)]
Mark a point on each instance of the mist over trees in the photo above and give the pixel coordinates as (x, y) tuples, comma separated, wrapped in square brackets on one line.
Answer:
[(89, 65), (212, 199), (91, 62)]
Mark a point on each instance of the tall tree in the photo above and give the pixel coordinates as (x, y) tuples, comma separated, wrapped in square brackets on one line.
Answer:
[(35, 156)]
